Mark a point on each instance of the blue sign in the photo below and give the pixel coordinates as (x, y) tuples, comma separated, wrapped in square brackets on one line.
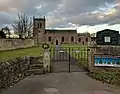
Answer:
[(107, 61)]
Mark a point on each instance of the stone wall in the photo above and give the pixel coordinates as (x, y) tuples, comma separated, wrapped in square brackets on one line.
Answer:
[(8, 44), (101, 50), (13, 71)]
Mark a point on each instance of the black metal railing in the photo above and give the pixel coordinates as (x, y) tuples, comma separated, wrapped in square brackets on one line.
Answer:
[(78, 54)]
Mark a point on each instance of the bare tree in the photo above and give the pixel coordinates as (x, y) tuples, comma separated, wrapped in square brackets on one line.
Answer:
[(93, 35), (23, 26), (93, 38)]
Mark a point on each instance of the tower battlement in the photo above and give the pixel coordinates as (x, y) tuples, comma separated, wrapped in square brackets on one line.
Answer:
[(38, 18)]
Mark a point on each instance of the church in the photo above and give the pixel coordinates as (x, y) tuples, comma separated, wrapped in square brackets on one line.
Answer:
[(57, 37)]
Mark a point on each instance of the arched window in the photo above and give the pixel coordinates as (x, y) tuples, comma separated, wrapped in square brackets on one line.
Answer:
[(72, 38), (49, 38), (62, 39), (79, 39), (86, 39), (40, 25)]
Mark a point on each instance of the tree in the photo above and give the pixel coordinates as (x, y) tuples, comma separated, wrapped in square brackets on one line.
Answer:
[(93, 35), (7, 31), (23, 26), (2, 34)]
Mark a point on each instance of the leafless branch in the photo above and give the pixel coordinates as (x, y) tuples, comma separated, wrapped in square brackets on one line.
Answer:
[(23, 26)]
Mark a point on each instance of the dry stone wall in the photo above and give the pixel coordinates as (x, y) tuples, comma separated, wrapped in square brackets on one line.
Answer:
[(102, 51), (13, 71)]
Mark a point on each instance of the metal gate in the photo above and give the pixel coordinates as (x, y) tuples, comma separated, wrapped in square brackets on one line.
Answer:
[(69, 59)]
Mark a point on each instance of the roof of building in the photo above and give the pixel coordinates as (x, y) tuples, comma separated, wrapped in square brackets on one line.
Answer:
[(108, 30), (60, 30), (84, 34)]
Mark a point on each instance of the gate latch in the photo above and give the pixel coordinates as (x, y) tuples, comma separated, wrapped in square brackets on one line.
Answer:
[(88, 49)]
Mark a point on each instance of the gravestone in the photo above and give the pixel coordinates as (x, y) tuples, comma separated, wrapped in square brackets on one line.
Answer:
[(107, 37)]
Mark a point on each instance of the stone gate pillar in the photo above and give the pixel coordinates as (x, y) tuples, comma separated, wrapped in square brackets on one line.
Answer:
[(46, 60), (91, 55)]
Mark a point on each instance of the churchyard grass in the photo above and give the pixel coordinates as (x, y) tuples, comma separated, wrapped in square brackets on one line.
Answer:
[(79, 52), (11, 54), (74, 45), (52, 47)]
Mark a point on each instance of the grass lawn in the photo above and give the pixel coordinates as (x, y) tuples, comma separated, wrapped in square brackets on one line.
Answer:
[(77, 51), (32, 51), (73, 45)]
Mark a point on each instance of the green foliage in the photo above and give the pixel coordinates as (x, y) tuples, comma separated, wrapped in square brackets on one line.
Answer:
[(109, 62), (106, 77), (32, 51), (113, 62), (100, 62), (105, 62), (96, 62), (118, 63), (81, 56)]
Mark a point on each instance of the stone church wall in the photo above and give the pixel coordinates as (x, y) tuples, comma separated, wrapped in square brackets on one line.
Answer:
[(83, 40), (67, 38), (8, 44), (58, 36)]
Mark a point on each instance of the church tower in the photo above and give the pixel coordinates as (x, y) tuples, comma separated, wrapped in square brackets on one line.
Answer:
[(38, 30)]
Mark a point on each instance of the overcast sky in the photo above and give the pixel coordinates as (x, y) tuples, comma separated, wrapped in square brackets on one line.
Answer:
[(83, 15)]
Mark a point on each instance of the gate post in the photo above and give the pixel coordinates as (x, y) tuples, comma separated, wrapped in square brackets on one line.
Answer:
[(46, 58), (69, 60), (91, 54)]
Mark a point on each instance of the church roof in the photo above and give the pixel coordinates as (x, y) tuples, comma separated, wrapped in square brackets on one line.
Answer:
[(84, 34), (60, 30)]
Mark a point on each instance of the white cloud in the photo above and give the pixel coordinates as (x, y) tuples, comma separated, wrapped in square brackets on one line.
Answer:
[(86, 15)]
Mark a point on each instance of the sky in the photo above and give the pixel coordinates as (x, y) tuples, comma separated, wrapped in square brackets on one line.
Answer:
[(83, 15)]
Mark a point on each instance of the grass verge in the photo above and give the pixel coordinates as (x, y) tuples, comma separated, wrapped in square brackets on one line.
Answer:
[(11, 54), (107, 77), (79, 52)]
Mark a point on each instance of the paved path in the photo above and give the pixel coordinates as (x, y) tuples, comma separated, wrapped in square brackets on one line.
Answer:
[(61, 83)]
